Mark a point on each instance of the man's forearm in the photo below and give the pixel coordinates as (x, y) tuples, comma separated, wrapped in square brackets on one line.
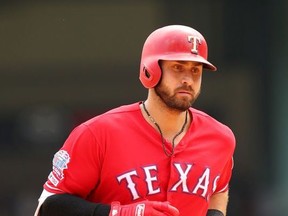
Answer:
[(219, 201), (66, 204)]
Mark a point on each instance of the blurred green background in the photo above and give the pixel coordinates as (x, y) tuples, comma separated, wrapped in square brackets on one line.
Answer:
[(62, 62)]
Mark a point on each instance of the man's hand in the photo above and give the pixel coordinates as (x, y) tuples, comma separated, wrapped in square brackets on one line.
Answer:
[(145, 208)]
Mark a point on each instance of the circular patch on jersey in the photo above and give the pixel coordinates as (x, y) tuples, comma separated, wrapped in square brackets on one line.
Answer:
[(60, 163)]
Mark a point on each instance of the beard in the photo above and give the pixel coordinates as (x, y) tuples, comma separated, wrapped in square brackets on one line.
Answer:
[(172, 101)]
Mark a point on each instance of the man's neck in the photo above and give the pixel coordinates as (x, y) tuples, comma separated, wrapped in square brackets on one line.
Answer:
[(169, 120)]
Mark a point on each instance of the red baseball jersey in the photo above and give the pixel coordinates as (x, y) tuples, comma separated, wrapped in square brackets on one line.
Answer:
[(118, 156)]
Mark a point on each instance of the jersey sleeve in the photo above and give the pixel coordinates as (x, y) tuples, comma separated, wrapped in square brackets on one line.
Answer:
[(225, 177), (76, 166)]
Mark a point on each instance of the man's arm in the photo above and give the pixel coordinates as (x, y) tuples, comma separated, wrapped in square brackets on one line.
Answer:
[(67, 204), (219, 201)]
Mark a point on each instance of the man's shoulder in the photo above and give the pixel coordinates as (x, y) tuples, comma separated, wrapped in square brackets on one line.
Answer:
[(206, 120), (203, 116), (124, 108), (114, 114)]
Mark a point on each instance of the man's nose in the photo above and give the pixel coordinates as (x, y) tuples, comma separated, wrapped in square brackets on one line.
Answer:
[(187, 78)]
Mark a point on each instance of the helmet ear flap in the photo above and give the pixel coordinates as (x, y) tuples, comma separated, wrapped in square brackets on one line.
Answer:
[(150, 74)]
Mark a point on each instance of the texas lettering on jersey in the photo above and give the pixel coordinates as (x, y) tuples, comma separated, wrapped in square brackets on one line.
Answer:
[(181, 183)]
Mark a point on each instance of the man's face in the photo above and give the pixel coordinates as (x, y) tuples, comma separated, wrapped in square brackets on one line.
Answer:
[(180, 83)]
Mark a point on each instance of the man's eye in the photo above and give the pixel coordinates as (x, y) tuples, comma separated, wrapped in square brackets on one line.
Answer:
[(195, 70), (178, 67)]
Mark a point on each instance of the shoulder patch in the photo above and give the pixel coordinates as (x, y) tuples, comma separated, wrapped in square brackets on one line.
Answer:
[(60, 163)]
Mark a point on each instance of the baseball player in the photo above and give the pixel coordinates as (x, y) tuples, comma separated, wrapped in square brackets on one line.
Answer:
[(157, 157)]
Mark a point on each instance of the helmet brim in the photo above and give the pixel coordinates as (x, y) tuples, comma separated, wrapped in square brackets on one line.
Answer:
[(190, 57)]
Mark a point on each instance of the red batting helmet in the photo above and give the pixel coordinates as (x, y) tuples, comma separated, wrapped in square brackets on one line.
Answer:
[(174, 42)]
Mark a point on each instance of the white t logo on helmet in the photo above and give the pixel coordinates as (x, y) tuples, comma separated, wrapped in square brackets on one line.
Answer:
[(195, 42)]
